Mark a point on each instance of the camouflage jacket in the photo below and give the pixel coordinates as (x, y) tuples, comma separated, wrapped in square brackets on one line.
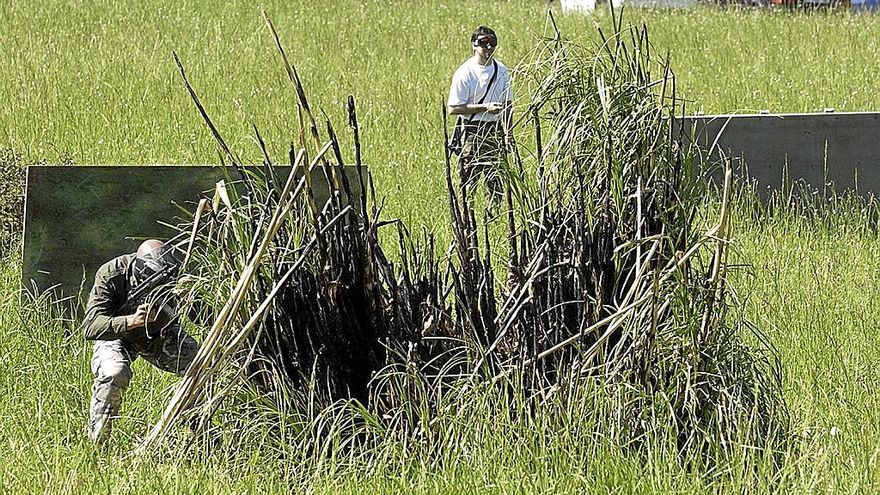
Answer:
[(105, 318)]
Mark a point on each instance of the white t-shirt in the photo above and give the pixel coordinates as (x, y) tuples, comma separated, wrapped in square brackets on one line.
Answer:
[(469, 85)]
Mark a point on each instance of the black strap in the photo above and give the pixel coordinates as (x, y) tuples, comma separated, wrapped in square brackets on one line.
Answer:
[(491, 80)]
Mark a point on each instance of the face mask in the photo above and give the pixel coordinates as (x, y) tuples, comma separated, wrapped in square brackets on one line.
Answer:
[(149, 264)]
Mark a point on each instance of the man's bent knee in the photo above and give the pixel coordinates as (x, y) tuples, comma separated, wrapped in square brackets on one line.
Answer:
[(115, 374)]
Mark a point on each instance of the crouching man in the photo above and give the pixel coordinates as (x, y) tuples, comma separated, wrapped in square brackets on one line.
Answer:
[(122, 333)]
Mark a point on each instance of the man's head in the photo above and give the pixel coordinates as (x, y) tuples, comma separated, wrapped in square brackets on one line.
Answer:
[(149, 246), (148, 259), (484, 41)]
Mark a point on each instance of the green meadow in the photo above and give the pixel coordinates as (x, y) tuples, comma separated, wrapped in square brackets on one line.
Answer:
[(95, 83)]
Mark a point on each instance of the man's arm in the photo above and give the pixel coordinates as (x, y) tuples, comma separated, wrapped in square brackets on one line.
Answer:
[(472, 108), (100, 322)]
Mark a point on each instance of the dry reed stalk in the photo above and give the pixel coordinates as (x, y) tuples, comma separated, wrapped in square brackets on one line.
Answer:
[(215, 349)]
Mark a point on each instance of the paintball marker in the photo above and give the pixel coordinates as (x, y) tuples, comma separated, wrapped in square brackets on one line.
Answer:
[(152, 273)]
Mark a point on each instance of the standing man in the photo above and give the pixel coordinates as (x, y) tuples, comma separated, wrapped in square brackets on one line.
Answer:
[(122, 332), (481, 96)]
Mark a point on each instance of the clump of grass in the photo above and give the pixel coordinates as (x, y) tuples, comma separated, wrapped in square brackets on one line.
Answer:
[(317, 305), (611, 290), (608, 276)]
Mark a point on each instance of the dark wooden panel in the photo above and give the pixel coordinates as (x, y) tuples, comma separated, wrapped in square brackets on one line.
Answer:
[(77, 218)]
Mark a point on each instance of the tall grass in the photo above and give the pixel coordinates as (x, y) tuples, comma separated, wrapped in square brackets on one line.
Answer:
[(610, 322), (810, 286), (819, 312)]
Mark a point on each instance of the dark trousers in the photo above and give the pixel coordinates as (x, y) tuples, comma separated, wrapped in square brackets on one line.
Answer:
[(481, 157)]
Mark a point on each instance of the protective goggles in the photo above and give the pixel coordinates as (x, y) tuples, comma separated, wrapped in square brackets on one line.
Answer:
[(487, 41), (144, 266)]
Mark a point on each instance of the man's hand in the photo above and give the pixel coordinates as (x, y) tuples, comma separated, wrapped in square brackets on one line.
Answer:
[(494, 107), (140, 317)]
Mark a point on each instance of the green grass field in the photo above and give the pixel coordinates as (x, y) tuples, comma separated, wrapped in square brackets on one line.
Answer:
[(96, 82)]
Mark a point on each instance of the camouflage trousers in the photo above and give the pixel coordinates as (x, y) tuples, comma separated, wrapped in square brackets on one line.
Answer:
[(481, 157), (111, 366)]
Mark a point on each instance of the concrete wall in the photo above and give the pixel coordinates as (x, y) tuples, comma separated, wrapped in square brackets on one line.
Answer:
[(77, 218), (842, 149)]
